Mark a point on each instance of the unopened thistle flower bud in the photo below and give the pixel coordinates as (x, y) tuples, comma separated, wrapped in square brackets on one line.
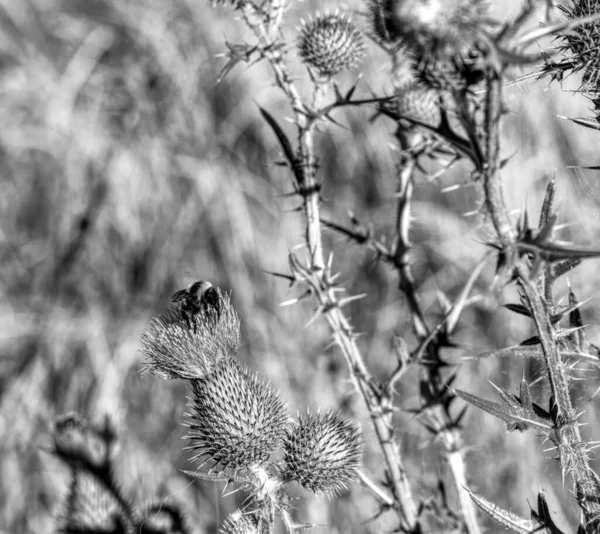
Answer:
[(380, 12), (322, 452), (236, 421), (330, 44), (420, 104), (239, 523), (174, 350), (90, 507)]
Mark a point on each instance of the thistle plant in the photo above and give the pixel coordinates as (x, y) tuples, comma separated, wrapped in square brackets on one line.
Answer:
[(447, 64), (239, 431), (438, 53)]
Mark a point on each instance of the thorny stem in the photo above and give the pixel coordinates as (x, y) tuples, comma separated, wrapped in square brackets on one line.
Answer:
[(380, 410), (379, 406), (309, 188), (402, 244), (571, 449), (448, 434), (492, 186)]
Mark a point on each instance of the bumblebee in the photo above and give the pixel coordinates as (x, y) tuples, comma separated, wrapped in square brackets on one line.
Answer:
[(198, 297)]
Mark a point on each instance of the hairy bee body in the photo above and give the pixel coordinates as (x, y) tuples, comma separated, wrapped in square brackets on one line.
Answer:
[(198, 297)]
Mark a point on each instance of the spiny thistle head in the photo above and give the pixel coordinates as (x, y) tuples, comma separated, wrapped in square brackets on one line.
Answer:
[(382, 23), (580, 44), (322, 452), (404, 70), (236, 421), (239, 523), (420, 104), (463, 68), (435, 23), (330, 44), (175, 348), (90, 507)]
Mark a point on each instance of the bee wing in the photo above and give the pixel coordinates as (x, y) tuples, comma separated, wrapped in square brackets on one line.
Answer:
[(179, 295)]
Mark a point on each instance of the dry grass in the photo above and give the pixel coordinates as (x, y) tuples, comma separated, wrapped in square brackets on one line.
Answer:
[(126, 173)]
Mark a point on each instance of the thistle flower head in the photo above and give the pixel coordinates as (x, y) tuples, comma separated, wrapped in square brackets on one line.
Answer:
[(90, 507), (434, 23), (174, 350), (382, 22), (580, 45), (420, 104), (238, 523), (322, 452), (404, 71), (236, 421), (330, 44), (463, 68)]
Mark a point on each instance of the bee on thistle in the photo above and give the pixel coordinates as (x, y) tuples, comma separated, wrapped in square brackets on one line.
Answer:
[(198, 297)]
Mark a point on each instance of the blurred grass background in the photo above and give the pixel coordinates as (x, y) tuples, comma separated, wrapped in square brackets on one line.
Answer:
[(126, 173)]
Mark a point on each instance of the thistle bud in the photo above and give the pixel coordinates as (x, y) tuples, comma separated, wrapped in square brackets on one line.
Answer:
[(238, 523), (419, 104), (580, 44), (330, 44), (236, 421), (90, 507), (173, 350), (322, 452), (382, 23)]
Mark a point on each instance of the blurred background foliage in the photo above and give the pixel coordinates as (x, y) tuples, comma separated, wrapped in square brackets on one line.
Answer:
[(126, 173)]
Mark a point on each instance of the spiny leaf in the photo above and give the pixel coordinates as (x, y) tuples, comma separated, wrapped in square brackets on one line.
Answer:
[(548, 203), (575, 319), (553, 252), (291, 279), (518, 351), (512, 412), (533, 351), (543, 515), (218, 476), (508, 519), (562, 26), (357, 235), (572, 308), (588, 123), (518, 308), (563, 267), (530, 341), (525, 395), (545, 232), (237, 53), (350, 92), (507, 397), (283, 140)]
